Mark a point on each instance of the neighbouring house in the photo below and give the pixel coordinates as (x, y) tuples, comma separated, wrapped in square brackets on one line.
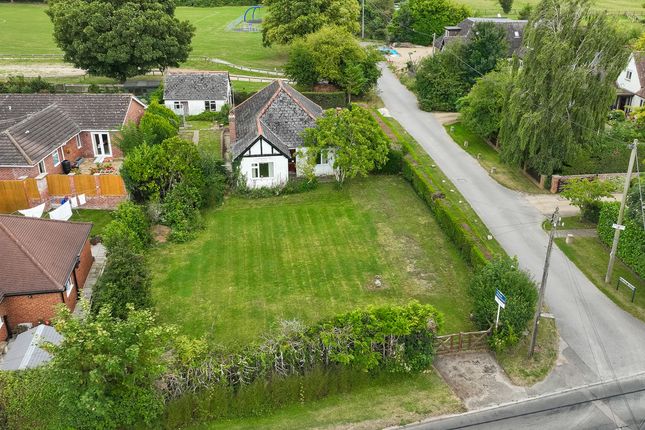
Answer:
[(631, 83), (43, 263), (48, 133), (266, 136), (194, 93), (465, 31)]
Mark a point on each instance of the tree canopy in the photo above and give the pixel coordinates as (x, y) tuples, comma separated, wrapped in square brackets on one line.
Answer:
[(378, 14), (287, 20), (353, 137), (483, 51), (120, 39), (417, 20), (334, 54), (561, 95)]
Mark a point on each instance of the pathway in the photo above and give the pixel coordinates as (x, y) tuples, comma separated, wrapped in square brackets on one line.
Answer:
[(599, 341), (98, 252)]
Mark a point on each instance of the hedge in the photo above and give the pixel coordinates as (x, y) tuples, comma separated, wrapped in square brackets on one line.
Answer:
[(631, 247), (327, 100)]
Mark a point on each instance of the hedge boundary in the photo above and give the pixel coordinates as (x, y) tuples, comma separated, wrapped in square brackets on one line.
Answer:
[(631, 247)]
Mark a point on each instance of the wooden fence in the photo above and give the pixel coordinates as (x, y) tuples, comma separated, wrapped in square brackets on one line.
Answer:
[(13, 196), (458, 342)]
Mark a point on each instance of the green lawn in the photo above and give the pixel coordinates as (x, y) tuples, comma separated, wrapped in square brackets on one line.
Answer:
[(570, 223), (248, 87), (26, 29), (592, 256), (508, 176), (210, 141), (389, 400), (493, 7), (100, 218), (309, 256)]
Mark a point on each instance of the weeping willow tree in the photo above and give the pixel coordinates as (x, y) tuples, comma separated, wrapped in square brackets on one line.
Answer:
[(562, 93)]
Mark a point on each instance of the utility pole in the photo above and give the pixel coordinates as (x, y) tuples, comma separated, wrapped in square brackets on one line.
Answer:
[(555, 219), (363, 20), (618, 226), (434, 40)]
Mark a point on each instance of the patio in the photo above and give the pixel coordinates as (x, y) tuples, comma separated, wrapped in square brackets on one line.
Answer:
[(89, 166)]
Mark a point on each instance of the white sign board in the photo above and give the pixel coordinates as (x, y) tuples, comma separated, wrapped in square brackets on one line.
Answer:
[(500, 299), (618, 226)]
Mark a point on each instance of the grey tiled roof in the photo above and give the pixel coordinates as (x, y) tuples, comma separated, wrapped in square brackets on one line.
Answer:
[(24, 352), (466, 26), (33, 125), (279, 113), (196, 86)]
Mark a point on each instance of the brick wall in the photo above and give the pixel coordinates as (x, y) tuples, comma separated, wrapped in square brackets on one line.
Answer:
[(3, 332), (31, 309), (86, 264)]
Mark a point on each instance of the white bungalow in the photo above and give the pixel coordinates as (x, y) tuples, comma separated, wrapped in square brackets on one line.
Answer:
[(631, 83), (193, 93), (266, 136)]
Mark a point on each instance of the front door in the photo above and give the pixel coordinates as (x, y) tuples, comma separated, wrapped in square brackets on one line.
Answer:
[(292, 162), (102, 144)]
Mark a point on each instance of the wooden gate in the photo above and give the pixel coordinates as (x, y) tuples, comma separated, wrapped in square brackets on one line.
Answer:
[(457, 342)]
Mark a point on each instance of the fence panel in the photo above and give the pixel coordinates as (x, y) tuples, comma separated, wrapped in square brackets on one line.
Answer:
[(112, 185), (13, 196), (85, 184), (32, 188), (457, 342), (59, 185)]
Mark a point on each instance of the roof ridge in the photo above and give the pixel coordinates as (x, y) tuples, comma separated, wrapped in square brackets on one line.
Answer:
[(27, 253), (298, 102), (18, 147), (254, 95)]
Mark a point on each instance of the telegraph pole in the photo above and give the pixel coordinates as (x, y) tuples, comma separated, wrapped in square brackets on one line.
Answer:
[(618, 226), (555, 219), (363, 20)]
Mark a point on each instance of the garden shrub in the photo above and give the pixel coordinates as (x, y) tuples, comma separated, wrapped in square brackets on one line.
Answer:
[(156, 108), (631, 246), (504, 274), (134, 216), (240, 96), (130, 136), (214, 3), (28, 400), (293, 186), (587, 194), (118, 234), (156, 128), (287, 366), (215, 179), (180, 211), (221, 116), (329, 100), (394, 164), (20, 84)]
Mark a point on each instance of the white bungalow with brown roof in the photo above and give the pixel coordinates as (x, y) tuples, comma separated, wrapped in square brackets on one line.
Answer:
[(43, 263), (266, 136), (38, 132), (631, 83)]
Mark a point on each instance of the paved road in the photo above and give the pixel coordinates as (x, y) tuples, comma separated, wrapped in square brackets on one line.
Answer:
[(600, 406), (600, 341)]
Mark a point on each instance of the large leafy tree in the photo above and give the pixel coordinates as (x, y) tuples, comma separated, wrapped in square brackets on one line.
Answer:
[(561, 95), (333, 54), (482, 52), (105, 369), (120, 38), (287, 20), (417, 21), (378, 14), (353, 136), (481, 109)]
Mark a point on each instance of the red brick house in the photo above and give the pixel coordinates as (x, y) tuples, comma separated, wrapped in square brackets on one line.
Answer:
[(39, 131), (43, 263)]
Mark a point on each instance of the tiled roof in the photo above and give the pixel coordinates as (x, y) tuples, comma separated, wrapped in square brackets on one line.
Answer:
[(33, 125), (37, 255), (25, 352), (512, 27), (639, 60), (196, 86), (279, 113)]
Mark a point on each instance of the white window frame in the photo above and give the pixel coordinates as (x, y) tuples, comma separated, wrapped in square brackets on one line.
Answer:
[(323, 157), (516, 34), (176, 105), (79, 144), (69, 286), (94, 146), (628, 75), (256, 170), (210, 105), (56, 157), (41, 167)]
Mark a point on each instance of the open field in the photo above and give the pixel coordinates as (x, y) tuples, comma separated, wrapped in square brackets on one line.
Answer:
[(25, 29), (389, 400), (309, 256), (592, 256), (508, 176), (612, 6)]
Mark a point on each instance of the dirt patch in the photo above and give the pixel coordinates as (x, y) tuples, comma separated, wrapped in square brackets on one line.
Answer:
[(477, 379), (160, 233), (43, 70)]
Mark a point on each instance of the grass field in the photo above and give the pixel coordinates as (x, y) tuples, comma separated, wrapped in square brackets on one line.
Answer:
[(508, 176), (613, 6), (309, 256), (100, 218), (390, 400), (592, 256), (26, 29)]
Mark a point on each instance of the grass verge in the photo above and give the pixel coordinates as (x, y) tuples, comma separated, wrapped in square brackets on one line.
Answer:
[(526, 371), (389, 400), (570, 223), (100, 218), (508, 176), (309, 256), (592, 256)]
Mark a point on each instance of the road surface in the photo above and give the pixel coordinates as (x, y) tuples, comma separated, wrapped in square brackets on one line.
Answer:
[(599, 341)]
